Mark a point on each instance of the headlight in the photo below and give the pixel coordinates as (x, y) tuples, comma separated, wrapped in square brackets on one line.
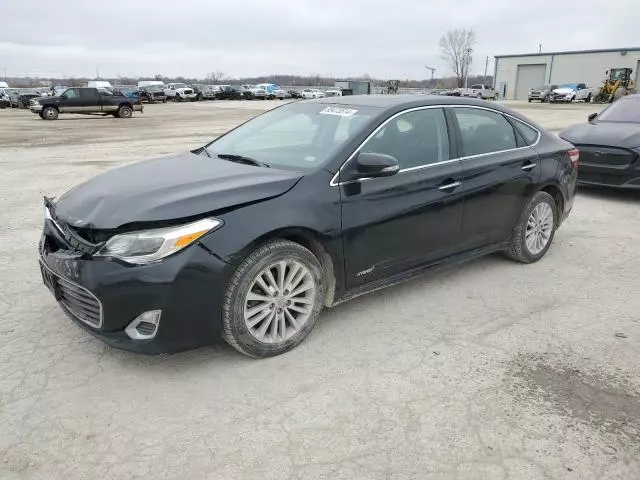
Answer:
[(152, 245)]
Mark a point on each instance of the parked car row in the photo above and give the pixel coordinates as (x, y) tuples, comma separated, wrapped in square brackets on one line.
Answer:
[(567, 93), (17, 97)]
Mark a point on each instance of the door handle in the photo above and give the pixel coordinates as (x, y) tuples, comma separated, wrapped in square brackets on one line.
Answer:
[(529, 166), (450, 186)]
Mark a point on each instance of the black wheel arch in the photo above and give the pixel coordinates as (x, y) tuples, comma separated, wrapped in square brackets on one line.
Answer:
[(313, 241)]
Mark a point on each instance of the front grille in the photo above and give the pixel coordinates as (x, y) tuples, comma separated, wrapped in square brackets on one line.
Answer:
[(605, 156), (80, 302), (188, 92), (76, 300)]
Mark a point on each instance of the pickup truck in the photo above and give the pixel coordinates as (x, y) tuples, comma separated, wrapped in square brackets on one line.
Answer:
[(479, 91), (179, 92), (85, 101)]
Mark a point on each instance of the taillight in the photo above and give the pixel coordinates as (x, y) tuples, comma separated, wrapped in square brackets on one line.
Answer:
[(574, 155)]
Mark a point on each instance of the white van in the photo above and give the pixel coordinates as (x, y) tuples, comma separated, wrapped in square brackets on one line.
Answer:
[(150, 83), (99, 84)]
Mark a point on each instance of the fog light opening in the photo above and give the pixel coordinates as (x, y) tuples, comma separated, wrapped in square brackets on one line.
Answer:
[(145, 326)]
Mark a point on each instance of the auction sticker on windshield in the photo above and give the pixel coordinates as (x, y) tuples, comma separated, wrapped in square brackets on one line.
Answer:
[(342, 112)]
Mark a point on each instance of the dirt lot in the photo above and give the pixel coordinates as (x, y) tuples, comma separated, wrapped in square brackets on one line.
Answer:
[(490, 370)]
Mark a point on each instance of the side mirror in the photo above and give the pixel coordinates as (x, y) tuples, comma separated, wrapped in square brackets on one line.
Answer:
[(592, 117), (373, 165), (64, 96)]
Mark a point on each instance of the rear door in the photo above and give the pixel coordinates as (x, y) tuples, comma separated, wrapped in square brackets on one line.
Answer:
[(90, 99), (499, 171)]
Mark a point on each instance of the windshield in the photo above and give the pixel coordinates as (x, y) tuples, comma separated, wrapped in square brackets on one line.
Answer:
[(296, 136), (623, 110), (153, 88), (179, 85), (568, 85)]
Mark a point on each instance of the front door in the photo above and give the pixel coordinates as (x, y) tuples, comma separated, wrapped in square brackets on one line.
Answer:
[(499, 172), (70, 101), (392, 224)]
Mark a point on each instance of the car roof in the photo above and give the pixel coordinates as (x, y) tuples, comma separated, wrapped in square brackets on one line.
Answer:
[(396, 103), (406, 101)]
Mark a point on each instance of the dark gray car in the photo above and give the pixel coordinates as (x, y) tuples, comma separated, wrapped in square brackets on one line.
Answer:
[(541, 93)]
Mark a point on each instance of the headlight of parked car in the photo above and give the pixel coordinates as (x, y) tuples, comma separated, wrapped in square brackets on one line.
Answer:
[(152, 245)]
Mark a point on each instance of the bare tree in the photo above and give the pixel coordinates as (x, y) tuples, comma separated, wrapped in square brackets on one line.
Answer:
[(457, 49), (215, 77)]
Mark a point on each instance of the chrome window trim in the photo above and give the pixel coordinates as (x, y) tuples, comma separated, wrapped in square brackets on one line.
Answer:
[(334, 180)]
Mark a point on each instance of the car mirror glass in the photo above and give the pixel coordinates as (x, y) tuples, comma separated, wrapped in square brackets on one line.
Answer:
[(592, 117)]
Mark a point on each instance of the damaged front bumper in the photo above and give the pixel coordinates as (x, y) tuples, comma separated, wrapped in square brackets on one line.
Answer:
[(108, 297)]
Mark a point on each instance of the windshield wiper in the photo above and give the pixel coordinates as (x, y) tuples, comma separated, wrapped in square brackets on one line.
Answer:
[(241, 159)]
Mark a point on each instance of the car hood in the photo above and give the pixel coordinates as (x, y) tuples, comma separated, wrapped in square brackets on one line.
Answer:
[(564, 91), (169, 188), (626, 135)]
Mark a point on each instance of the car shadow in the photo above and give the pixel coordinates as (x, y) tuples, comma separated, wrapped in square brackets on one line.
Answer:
[(220, 356)]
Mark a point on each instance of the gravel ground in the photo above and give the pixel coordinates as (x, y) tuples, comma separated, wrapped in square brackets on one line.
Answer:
[(490, 370)]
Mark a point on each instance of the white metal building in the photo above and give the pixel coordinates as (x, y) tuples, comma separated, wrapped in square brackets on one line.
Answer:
[(515, 75)]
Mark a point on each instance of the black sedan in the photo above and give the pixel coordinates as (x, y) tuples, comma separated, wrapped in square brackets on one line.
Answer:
[(303, 207), (609, 145)]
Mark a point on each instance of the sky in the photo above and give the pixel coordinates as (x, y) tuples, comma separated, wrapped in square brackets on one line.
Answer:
[(340, 38)]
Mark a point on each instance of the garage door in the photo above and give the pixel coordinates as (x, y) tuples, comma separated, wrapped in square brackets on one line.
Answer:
[(529, 76)]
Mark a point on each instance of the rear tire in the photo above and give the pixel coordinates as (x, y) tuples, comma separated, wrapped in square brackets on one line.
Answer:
[(269, 323), (620, 92), (534, 232)]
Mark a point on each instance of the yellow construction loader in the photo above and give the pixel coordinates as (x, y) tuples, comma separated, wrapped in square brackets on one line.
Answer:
[(617, 84)]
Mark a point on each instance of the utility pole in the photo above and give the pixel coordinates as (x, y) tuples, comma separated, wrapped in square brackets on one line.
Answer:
[(433, 70), (468, 63), (486, 66), (539, 48)]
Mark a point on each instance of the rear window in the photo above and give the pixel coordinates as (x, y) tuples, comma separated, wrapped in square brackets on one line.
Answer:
[(530, 134), (623, 110)]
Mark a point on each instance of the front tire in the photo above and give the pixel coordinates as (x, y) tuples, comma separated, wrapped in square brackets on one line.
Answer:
[(273, 299), (50, 113), (534, 232)]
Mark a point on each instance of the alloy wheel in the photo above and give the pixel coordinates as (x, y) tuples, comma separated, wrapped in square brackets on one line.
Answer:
[(539, 228), (279, 302)]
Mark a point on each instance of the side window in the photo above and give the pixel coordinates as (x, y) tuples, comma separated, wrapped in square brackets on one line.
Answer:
[(72, 93), (484, 131), (88, 93), (416, 138), (530, 134)]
